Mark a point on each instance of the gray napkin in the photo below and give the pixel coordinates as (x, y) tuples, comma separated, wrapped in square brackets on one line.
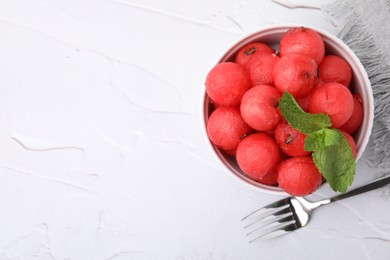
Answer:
[(365, 27)]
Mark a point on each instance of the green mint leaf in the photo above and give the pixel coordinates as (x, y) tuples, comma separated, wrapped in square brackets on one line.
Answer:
[(333, 157), (322, 138), (299, 119)]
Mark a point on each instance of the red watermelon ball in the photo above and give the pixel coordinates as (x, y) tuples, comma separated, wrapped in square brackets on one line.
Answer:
[(333, 99), (260, 68), (259, 107), (335, 69), (258, 155), (303, 40), (226, 83), (299, 176), (295, 73), (226, 128), (290, 140), (355, 121)]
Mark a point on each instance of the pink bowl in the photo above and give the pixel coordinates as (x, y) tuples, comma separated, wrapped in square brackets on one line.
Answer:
[(271, 35)]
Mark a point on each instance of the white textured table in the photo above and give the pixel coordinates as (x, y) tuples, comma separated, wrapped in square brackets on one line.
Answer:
[(102, 153)]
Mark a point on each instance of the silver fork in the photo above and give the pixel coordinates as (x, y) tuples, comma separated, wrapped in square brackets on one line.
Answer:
[(292, 213)]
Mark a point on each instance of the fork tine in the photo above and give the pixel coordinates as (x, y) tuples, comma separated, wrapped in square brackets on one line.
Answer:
[(283, 227), (275, 204), (276, 217)]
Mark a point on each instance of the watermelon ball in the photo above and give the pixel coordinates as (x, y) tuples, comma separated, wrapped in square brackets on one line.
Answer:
[(290, 140), (226, 83), (351, 142), (226, 128), (296, 74), (252, 49), (259, 107), (356, 119), (303, 40), (260, 68), (333, 99), (258, 155), (335, 69), (299, 176)]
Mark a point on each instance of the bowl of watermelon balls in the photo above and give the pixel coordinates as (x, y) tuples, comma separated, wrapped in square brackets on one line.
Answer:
[(288, 109)]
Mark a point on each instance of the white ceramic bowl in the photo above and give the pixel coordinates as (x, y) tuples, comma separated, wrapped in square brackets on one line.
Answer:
[(271, 35)]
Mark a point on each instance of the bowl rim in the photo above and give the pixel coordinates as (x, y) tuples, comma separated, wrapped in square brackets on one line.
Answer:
[(328, 37)]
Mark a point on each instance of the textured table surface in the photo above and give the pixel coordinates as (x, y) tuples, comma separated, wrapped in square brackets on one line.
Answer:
[(102, 153)]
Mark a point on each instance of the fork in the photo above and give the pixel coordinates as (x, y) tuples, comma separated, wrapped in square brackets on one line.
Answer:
[(292, 213)]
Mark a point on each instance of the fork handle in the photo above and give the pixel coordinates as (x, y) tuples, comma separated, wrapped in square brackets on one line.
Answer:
[(370, 186)]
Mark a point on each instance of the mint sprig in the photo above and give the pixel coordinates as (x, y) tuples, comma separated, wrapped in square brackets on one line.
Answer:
[(331, 152)]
